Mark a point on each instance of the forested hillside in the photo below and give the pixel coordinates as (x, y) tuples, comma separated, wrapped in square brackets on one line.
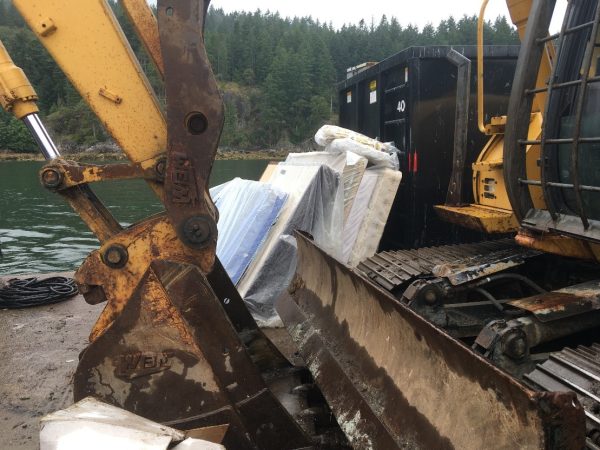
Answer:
[(277, 74)]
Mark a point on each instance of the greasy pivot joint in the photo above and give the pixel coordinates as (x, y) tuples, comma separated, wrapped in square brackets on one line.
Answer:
[(199, 231), (196, 123), (514, 344), (51, 178)]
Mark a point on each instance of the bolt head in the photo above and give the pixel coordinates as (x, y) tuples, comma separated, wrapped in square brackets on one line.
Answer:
[(113, 257), (161, 168), (430, 297), (199, 231)]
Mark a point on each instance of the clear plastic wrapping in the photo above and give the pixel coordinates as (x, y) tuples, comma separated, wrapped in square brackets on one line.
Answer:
[(339, 140), (331, 195)]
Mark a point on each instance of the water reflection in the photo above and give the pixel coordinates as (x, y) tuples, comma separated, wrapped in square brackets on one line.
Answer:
[(39, 232)]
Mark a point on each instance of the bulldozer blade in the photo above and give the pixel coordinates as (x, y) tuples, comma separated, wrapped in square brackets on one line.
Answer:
[(394, 380)]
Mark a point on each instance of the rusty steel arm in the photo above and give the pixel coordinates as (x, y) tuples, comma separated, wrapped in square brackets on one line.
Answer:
[(143, 20), (461, 121), (196, 117)]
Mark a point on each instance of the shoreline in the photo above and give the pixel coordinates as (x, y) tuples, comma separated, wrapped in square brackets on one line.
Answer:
[(265, 155)]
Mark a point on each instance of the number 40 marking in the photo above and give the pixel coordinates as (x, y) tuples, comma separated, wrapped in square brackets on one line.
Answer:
[(401, 106)]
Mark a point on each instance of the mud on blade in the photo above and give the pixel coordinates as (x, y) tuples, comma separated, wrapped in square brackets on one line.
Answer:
[(394, 380)]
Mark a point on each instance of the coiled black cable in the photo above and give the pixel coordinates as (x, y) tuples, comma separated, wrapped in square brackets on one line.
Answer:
[(23, 293)]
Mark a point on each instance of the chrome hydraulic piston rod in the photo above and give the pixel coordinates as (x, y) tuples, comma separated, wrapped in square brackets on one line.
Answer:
[(18, 97)]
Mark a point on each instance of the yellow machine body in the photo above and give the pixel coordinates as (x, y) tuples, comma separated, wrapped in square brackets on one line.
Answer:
[(491, 211), (16, 93), (83, 37)]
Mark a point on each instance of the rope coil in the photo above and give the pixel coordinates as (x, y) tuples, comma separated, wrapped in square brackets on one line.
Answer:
[(24, 293)]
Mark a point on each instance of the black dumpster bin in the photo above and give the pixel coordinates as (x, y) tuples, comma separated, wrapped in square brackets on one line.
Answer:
[(410, 99)]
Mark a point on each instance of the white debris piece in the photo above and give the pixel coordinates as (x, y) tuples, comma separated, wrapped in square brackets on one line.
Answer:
[(329, 133), (92, 425), (197, 444)]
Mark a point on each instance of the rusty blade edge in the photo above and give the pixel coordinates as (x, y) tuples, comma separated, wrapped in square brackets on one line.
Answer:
[(369, 431)]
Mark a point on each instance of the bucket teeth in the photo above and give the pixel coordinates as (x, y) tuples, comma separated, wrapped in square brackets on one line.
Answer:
[(313, 412), (304, 390)]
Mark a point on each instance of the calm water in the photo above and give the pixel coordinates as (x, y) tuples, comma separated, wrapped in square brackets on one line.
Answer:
[(40, 233)]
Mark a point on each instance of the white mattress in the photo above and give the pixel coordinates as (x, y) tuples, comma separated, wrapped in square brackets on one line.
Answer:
[(314, 205), (365, 225), (352, 177)]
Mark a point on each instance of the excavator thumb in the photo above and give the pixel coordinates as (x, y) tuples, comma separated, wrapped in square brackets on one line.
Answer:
[(393, 380)]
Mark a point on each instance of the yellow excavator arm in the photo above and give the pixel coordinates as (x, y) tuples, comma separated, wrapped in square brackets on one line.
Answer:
[(86, 41)]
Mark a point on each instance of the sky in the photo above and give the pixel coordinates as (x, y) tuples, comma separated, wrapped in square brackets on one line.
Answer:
[(339, 12), (417, 12)]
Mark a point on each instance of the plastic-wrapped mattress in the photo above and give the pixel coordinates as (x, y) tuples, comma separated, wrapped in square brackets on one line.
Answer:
[(350, 165), (314, 205), (247, 211)]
